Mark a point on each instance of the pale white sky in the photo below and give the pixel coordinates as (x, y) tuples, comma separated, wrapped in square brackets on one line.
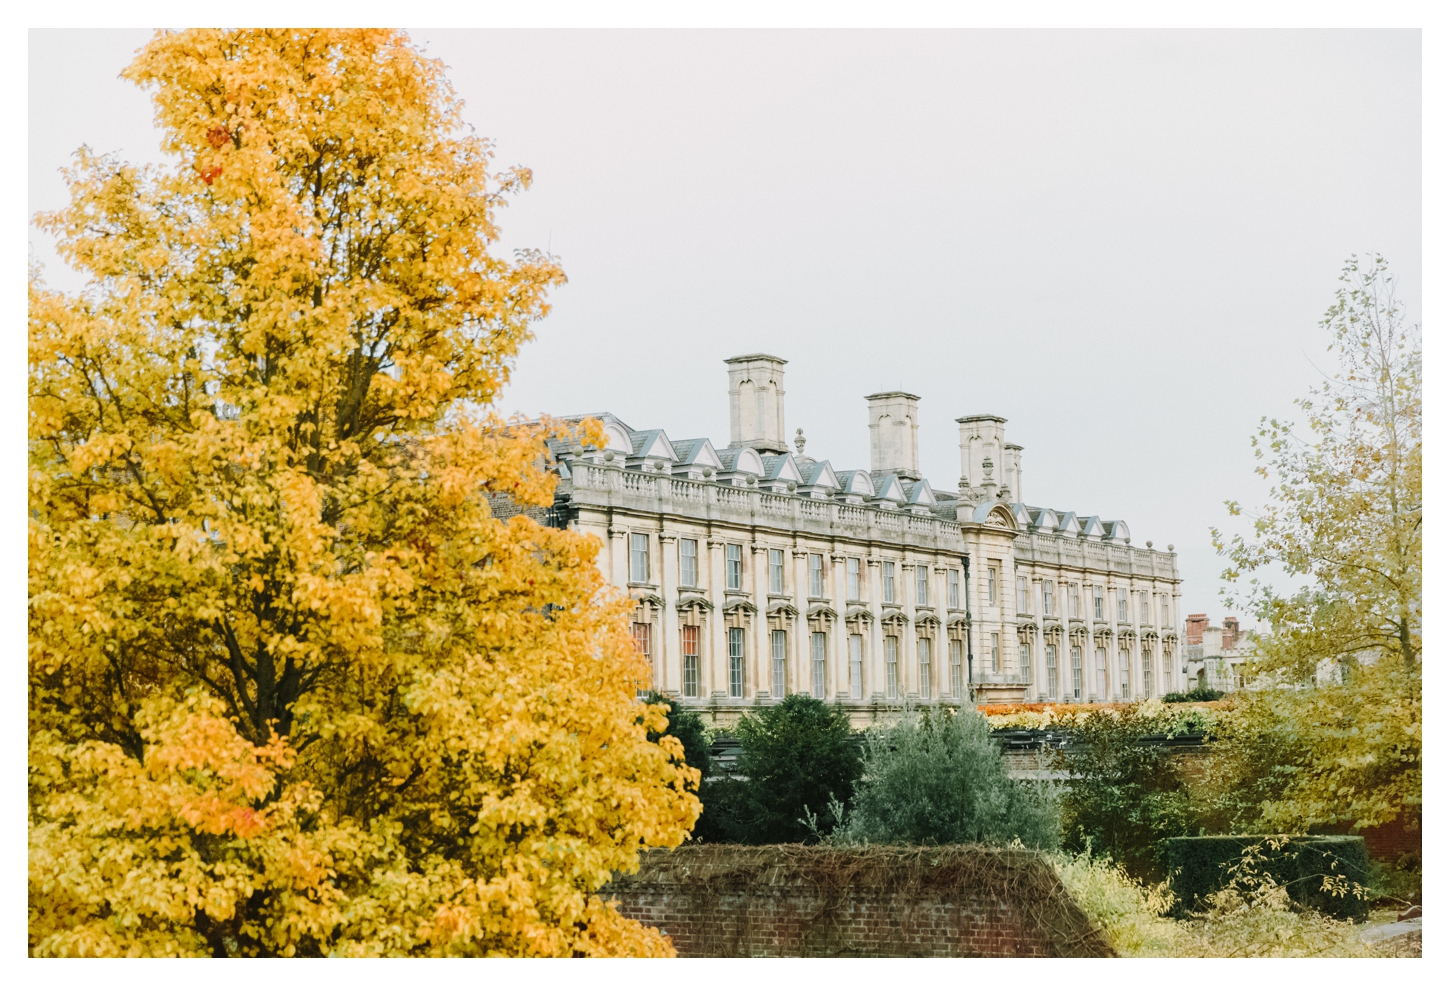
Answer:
[(1121, 241)]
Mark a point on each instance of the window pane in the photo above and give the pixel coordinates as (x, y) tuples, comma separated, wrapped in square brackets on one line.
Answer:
[(922, 585), (1077, 673), (777, 663), (639, 557), (688, 547), (954, 589), (888, 581), (1097, 602), (1047, 609), (891, 645), (996, 654), (737, 662), (777, 570), (992, 586), (923, 661), (818, 665), (954, 655), (732, 566), (690, 648), (854, 644), (1102, 662), (818, 576), (1147, 671), (1024, 660), (853, 578), (1050, 652)]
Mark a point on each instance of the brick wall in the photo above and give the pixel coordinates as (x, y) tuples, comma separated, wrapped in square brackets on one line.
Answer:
[(953, 901)]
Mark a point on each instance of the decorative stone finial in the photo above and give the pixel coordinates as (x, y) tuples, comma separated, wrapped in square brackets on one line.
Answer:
[(1170, 547), (1148, 543), (800, 441)]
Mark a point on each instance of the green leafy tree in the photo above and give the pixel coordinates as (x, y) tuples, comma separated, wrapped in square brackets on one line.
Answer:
[(1123, 795), (936, 777), (797, 757), (686, 726), (1346, 511)]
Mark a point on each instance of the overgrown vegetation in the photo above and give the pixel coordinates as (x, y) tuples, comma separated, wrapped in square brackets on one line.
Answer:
[(686, 726), (935, 777)]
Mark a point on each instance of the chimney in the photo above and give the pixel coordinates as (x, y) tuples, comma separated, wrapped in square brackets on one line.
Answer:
[(891, 417), (1230, 632), (757, 402), (1193, 628), (981, 440)]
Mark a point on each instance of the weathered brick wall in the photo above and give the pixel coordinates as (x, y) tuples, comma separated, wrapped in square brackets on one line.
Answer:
[(954, 901)]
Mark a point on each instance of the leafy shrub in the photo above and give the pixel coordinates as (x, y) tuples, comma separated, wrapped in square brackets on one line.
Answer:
[(687, 727), (1198, 694), (1329, 873), (1123, 795), (796, 758), (934, 777)]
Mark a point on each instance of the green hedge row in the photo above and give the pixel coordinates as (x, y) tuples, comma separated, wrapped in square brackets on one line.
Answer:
[(1199, 866)]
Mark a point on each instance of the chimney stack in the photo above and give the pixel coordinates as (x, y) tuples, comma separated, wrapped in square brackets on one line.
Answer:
[(891, 417), (757, 402)]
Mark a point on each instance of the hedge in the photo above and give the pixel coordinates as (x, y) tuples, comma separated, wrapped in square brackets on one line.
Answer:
[(1198, 866)]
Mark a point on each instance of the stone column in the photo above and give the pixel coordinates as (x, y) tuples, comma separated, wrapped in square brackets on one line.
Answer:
[(669, 666), (714, 657)]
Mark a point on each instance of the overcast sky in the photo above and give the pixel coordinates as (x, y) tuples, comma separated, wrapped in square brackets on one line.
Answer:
[(1120, 241)]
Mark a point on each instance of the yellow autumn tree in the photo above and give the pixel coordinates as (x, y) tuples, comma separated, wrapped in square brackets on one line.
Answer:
[(293, 687)]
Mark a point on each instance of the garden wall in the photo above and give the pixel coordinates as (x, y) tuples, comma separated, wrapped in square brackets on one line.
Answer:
[(953, 901)]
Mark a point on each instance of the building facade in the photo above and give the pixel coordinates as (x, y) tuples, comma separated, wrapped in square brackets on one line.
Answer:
[(760, 572), (1215, 656)]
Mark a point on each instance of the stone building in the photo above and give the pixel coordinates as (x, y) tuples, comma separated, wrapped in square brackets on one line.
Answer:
[(759, 572), (1215, 656)]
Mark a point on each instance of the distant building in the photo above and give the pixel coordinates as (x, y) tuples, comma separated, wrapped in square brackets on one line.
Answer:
[(759, 572), (1215, 656)]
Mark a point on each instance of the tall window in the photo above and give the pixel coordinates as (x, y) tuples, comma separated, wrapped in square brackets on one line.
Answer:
[(1143, 608), (1102, 662), (1024, 659), (1076, 673), (641, 645), (853, 578), (1047, 599), (639, 558), (737, 662), (992, 585), (818, 665), (1022, 600), (1122, 605), (954, 656), (1124, 683), (923, 585), (1074, 601), (732, 566), (1163, 600), (1147, 670), (853, 645), (818, 576), (1050, 652), (1167, 667), (777, 663), (888, 581), (954, 588), (923, 666), (892, 647), (1097, 602), (996, 653), (689, 549), (777, 571), (690, 648)]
